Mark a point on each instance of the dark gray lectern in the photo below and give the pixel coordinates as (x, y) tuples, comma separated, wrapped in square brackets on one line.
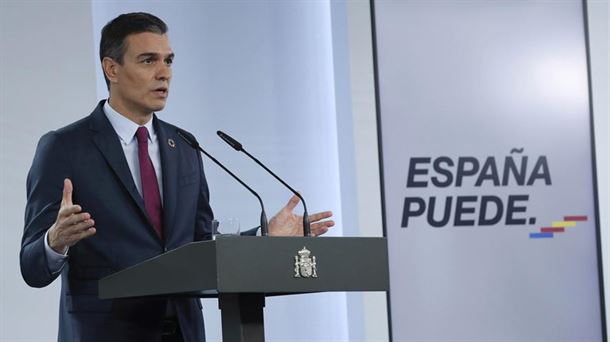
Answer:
[(242, 270)]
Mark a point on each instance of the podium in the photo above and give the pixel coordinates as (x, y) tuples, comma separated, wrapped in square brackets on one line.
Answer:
[(242, 270)]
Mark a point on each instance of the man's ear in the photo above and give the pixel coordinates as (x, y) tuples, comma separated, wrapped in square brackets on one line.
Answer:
[(110, 67)]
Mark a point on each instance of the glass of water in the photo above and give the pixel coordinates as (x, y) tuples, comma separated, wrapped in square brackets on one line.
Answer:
[(225, 226)]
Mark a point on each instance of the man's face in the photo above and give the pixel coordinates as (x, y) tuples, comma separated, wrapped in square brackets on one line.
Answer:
[(141, 83)]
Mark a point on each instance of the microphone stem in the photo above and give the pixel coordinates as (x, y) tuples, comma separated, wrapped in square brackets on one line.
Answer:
[(264, 223), (306, 223)]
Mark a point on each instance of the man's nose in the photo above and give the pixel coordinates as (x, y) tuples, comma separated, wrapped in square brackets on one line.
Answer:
[(164, 72)]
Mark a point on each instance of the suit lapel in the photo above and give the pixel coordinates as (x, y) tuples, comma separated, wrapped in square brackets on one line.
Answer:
[(107, 141), (169, 167)]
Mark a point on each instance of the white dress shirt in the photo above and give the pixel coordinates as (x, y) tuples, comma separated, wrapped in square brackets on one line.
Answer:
[(126, 130)]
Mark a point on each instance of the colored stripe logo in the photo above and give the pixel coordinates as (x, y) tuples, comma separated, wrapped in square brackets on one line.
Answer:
[(557, 227)]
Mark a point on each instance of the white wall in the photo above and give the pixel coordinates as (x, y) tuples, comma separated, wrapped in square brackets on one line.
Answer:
[(47, 80)]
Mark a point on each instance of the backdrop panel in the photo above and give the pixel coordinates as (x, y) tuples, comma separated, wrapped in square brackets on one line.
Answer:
[(488, 171)]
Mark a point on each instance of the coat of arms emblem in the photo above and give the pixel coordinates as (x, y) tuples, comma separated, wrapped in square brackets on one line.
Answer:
[(304, 265)]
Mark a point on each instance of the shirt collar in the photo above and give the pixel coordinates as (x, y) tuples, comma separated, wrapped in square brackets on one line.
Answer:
[(125, 128)]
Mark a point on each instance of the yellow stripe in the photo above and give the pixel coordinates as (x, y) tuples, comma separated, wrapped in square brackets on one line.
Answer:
[(564, 224)]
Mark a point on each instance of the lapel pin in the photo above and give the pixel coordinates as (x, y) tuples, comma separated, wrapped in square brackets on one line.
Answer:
[(171, 143)]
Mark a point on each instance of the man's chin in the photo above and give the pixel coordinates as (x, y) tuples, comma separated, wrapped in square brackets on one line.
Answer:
[(158, 106)]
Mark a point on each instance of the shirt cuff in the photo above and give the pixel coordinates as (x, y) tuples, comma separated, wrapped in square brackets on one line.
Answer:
[(55, 261)]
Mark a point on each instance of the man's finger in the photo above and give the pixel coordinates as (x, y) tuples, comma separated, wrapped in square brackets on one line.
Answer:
[(320, 216), (67, 195), (292, 203), (82, 235), (69, 210), (79, 227), (76, 219), (319, 230), (323, 225)]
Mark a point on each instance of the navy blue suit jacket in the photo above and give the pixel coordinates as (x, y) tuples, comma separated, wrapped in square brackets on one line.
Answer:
[(89, 153)]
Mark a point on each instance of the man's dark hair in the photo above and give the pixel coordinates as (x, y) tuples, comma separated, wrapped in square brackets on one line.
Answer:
[(112, 44)]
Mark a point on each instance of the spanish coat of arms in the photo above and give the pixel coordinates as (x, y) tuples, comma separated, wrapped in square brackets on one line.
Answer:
[(305, 266)]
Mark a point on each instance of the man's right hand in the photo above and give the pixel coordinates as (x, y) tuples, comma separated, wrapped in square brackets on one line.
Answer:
[(71, 225)]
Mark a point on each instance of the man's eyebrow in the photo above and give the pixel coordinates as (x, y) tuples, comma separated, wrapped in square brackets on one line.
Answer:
[(148, 55), (153, 54)]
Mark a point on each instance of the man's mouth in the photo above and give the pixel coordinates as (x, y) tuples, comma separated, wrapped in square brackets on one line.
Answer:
[(161, 91)]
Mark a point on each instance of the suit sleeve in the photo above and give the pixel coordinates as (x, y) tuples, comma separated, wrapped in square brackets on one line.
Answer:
[(44, 191), (203, 221)]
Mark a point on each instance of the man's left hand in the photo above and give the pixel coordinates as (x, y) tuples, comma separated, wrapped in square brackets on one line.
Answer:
[(286, 223)]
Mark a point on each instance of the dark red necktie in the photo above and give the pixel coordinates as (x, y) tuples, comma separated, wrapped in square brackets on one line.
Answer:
[(150, 187)]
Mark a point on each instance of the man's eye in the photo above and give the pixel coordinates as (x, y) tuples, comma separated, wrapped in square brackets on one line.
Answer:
[(169, 61), (148, 61)]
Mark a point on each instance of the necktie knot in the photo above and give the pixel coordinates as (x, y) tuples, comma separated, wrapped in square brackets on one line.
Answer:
[(142, 135)]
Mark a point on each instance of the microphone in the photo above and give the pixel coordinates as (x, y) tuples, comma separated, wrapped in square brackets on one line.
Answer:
[(238, 147), (194, 144)]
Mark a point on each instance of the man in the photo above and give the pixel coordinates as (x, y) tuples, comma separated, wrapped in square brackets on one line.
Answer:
[(119, 187)]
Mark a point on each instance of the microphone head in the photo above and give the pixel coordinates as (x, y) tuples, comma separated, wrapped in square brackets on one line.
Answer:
[(234, 143), (189, 138)]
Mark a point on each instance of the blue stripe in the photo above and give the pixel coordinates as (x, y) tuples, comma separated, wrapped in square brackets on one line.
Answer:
[(540, 235)]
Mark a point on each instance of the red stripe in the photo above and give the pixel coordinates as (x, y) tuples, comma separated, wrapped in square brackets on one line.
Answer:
[(552, 229), (574, 218)]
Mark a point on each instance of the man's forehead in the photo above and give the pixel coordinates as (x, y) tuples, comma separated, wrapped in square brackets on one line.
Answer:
[(148, 42)]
